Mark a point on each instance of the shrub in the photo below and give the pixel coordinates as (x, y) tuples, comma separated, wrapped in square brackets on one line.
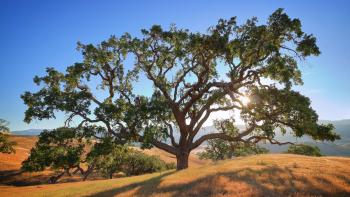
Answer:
[(108, 157), (303, 149), (220, 149), (137, 163)]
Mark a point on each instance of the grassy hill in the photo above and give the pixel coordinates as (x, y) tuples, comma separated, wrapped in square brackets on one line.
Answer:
[(13, 161), (264, 175)]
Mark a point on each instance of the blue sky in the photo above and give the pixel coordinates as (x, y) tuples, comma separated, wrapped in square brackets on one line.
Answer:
[(38, 34)]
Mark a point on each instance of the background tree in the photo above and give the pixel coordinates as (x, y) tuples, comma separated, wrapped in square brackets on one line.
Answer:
[(304, 149), (194, 75), (219, 149), (137, 163), (60, 149), (6, 146), (71, 150), (108, 157)]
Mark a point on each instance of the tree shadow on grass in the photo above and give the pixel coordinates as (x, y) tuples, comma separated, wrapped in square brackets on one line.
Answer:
[(20, 178), (267, 181), (150, 183)]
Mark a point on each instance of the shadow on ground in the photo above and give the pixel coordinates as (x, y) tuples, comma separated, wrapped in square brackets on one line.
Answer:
[(267, 181), (19, 178)]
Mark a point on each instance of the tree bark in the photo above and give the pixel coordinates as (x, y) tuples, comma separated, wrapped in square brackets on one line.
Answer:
[(182, 160)]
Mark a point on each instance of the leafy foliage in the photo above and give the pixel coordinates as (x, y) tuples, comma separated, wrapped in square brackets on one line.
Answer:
[(6, 146), (218, 149), (59, 149), (137, 163), (108, 157), (304, 149)]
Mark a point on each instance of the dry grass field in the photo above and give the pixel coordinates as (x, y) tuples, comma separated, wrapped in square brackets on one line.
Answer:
[(263, 175)]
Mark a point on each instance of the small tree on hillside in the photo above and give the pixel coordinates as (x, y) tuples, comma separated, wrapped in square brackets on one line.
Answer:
[(219, 149), (6, 146), (70, 150), (137, 163), (108, 157), (193, 76), (304, 149), (60, 149)]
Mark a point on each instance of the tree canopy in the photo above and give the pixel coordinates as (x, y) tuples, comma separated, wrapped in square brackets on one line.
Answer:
[(194, 75)]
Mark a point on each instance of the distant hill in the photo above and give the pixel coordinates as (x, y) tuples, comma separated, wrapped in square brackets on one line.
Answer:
[(30, 132), (339, 148), (342, 127)]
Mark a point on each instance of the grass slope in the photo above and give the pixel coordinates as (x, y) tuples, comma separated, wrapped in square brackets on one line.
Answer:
[(13, 161), (263, 175)]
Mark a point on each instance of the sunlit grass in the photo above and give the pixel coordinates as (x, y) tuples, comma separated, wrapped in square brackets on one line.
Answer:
[(278, 174)]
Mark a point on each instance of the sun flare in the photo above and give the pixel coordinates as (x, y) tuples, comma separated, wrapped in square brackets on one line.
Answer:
[(245, 100)]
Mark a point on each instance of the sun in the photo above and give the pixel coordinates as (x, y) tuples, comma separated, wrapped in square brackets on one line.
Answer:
[(245, 100)]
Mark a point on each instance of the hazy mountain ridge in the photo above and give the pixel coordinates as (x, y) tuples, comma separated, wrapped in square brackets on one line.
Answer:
[(339, 147), (30, 132)]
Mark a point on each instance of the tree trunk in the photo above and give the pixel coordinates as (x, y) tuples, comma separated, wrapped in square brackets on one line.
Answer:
[(54, 179), (182, 161), (68, 173), (88, 171)]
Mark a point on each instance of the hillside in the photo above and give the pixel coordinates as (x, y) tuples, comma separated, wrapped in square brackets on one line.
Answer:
[(13, 161), (264, 175)]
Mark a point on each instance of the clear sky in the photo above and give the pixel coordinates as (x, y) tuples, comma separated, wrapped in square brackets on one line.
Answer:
[(38, 34)]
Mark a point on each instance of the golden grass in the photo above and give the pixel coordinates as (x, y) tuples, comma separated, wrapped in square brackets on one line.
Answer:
[(263, 175), (13, 161)]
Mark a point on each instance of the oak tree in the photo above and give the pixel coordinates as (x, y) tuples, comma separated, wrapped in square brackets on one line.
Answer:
[(194, 75)]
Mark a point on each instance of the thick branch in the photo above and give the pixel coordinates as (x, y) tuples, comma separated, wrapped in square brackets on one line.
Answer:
[(160, 145), (213, 136), (223, 136), (171, 134)]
